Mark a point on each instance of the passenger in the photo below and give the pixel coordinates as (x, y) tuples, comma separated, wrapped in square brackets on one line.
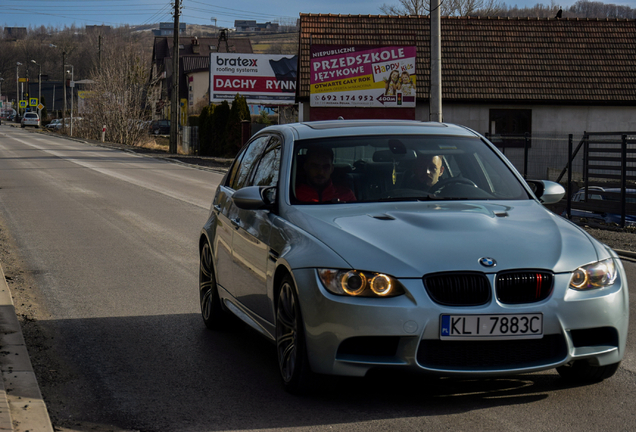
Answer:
[(319, 187), (427, 172)]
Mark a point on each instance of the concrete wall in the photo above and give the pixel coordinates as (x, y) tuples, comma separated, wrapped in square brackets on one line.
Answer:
[(547, 119), (198, 85)]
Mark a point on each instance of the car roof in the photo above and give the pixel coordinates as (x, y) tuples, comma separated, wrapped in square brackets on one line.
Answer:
[(335, 128)]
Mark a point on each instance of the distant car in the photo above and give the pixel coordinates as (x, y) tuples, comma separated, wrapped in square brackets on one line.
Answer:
[(323, 238), (160, 127), (55, 124), (7, 113), (598, 193), (30, 119)]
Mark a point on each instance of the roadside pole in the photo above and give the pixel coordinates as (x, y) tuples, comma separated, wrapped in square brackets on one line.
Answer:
[(174, 102)]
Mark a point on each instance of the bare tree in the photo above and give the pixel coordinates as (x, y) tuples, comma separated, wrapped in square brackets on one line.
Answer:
[(447, 7), (118, 98), (407, 7), (476, 7)]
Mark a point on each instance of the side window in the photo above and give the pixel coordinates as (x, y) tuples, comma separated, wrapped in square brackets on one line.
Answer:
[(234, 168), (266, 173), (241, 177)]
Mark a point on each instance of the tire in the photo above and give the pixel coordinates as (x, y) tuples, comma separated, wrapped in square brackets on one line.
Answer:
[(211, 309), (580, 371), (291, 350)]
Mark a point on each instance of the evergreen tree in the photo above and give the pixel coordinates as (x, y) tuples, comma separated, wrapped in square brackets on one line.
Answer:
[(205, 130), (239, 112), (219, 126)]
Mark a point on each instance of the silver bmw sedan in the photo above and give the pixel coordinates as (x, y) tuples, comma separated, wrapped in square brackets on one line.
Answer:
[(355, 245)]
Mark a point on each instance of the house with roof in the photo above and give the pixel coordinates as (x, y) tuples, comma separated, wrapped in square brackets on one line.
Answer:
[(194, 70), (253, 26), (499, 75)]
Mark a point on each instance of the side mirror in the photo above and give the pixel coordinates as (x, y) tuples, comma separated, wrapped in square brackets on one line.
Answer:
[(255, 197), (548, 192)]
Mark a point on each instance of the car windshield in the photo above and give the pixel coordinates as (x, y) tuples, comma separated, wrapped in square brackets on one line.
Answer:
[(399, 168)]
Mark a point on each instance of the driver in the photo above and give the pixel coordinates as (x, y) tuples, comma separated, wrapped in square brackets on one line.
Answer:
[(318, 187), (426, 173)]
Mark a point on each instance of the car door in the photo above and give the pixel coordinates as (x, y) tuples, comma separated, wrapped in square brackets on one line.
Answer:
[(227, 213), (250, 245), (224, 230)]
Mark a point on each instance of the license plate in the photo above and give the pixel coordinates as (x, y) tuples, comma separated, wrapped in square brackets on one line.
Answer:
[(518, 326)]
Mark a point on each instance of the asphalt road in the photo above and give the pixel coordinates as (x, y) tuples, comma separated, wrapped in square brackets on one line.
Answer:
[(109, 239)]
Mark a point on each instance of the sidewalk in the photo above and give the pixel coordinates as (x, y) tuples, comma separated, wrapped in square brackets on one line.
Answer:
[(21, 406)]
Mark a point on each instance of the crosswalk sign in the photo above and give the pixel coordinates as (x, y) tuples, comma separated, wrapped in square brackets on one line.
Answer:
[(23, 104), (33, 102)]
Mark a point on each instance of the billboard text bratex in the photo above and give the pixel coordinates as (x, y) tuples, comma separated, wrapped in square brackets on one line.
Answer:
[(260, 78)]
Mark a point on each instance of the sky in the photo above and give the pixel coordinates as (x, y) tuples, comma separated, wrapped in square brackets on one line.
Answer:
[(61, 13)]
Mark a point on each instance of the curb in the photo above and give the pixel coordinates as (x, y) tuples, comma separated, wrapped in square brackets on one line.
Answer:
[(22, 408)]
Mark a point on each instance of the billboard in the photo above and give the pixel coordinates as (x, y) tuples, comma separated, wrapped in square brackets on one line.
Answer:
[(362, 76), (259, 78)]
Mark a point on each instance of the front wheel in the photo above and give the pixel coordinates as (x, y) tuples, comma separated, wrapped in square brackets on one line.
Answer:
[(580, 371), (211, 309), (291, 349)]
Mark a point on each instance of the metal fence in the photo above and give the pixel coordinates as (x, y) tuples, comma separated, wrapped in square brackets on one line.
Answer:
[(540, 156), (190, 140), (604, 162)]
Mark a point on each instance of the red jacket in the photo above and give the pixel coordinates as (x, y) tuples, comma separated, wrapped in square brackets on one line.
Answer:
[(331, 193)]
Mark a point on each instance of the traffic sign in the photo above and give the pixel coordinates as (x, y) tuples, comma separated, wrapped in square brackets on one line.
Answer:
[(23, 104), (33, 102), (40, 106)]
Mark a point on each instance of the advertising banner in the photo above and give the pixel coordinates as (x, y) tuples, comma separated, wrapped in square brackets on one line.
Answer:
[(259, 78), (362, 76)]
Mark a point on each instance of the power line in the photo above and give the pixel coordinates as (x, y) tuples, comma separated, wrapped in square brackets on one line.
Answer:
[(86, 10)]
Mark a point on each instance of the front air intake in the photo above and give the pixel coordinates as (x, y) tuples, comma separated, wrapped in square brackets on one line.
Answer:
[(458, 289)]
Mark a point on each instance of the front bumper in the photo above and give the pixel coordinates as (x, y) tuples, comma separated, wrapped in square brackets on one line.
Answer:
[(350, 336)]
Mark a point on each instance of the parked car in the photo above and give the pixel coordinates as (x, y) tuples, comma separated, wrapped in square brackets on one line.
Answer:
[(30, 119), (348, 266), (160, 127), (7, 113), (609, 195), (55, 124)]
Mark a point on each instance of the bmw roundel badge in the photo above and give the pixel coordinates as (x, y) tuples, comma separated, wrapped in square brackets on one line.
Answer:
[(487, 262)]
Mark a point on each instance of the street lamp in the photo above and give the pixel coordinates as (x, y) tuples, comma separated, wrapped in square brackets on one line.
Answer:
[(63, 86), (72, 87), (17, 87), (39, 88)]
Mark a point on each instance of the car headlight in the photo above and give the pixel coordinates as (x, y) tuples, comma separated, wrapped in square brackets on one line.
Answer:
[(592, 276), (360, 283)]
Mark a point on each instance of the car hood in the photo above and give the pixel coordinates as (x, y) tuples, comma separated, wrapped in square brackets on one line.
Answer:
[(415, 238)]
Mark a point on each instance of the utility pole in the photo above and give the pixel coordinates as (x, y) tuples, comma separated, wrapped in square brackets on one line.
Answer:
[(64, 83), (17, 87), (435, 103), (39, 87), (174, 102), (99, 57)]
